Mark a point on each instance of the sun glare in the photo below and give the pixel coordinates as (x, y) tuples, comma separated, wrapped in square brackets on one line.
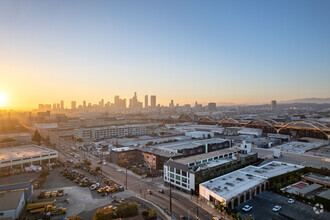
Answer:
[(3, 100)]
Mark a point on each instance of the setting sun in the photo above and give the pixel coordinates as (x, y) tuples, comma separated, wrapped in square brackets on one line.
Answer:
[(3, 100)]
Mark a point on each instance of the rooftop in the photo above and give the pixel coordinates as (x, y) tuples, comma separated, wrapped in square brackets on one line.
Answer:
[(198, 157), (271, 169), (232, 184), (318, 177), (325, 194), (159, 152), (297, 147), (11, 153), (188, 144), (236, 182), (10, 200), (120, 149)]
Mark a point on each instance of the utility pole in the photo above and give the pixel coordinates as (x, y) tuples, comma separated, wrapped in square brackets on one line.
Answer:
[(170, 199), (126, 168), (197, 212)]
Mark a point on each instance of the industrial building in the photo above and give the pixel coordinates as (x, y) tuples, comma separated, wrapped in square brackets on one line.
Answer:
[(316, 178), (194, 147), (98, 133), (239, 186), (11, 205), (14, 139), (151, 157), (25, 155), (186, 173)]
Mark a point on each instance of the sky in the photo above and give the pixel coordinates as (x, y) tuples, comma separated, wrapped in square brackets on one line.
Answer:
[(206, 51)]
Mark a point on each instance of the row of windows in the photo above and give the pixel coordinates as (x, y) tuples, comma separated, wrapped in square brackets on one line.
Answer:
[(211, 159), (177, 182)]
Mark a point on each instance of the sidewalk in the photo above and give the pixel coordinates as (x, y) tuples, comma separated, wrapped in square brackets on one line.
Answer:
[(203, 205)]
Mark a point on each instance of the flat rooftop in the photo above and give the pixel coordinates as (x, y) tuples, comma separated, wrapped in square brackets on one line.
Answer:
[(318, 177), (269, 170), (159, 152), (188, 144), (12, 153), (198, 157), (232, 184), (298, 147)]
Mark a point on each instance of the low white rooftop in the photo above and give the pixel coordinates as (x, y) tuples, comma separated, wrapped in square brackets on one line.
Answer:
[(232, 184), (271, 169), (120, 149), (236, 182), (297, 147)]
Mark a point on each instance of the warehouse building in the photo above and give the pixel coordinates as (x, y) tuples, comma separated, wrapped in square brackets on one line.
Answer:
[(195, 147), (11, 205), (239, 186), (99, 133), (187, 173), (24, 156)]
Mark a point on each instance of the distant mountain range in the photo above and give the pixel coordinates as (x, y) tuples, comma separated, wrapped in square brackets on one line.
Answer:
[(308, 100)]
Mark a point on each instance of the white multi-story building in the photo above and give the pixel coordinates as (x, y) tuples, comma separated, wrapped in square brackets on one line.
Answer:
[(182, 173), (109, 132)]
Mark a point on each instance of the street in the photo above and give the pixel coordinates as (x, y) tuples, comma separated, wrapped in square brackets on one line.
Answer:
[(180, 204)]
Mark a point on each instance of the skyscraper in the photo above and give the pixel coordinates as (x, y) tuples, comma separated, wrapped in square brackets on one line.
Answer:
[(153, 101), (212, 106), (62, 104), (273, 105), (84, 104), (146, 101), (73, 105)]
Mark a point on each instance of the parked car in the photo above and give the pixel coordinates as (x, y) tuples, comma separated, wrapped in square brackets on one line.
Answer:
[(161, 191), (291, 201), (276, 208), (247, 208)]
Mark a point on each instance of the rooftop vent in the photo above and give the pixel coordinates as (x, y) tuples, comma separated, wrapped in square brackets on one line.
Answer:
[(239, 179)]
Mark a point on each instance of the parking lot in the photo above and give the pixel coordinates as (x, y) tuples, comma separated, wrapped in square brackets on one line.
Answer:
[(81, 200), (264, 203)]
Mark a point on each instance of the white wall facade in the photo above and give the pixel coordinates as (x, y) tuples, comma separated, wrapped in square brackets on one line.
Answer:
[(179, 178)]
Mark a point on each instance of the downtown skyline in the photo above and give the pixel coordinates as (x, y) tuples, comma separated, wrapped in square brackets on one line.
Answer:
[(228, 51)]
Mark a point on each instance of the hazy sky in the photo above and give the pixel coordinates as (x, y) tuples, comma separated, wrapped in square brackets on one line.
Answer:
[(222, 51)]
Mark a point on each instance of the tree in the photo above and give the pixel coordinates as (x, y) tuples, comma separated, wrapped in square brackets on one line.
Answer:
[(79, 140), (103, 214), (75, 218), (37, 137), (97, 169), (127, 209), (44, 173), (87, 162)]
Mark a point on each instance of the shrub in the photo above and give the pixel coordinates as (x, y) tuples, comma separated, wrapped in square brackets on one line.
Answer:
[(103, 214), (127, 209)]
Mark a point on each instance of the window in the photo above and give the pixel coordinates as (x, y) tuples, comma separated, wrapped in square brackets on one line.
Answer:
[(216, 158), (204, 161), (210, 159), (191, 164), (184, 185), (177, 171), (177, 177), (198, 162), (177, 182), (184, 179), (171, 175), (184, 173), (171, 169)]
